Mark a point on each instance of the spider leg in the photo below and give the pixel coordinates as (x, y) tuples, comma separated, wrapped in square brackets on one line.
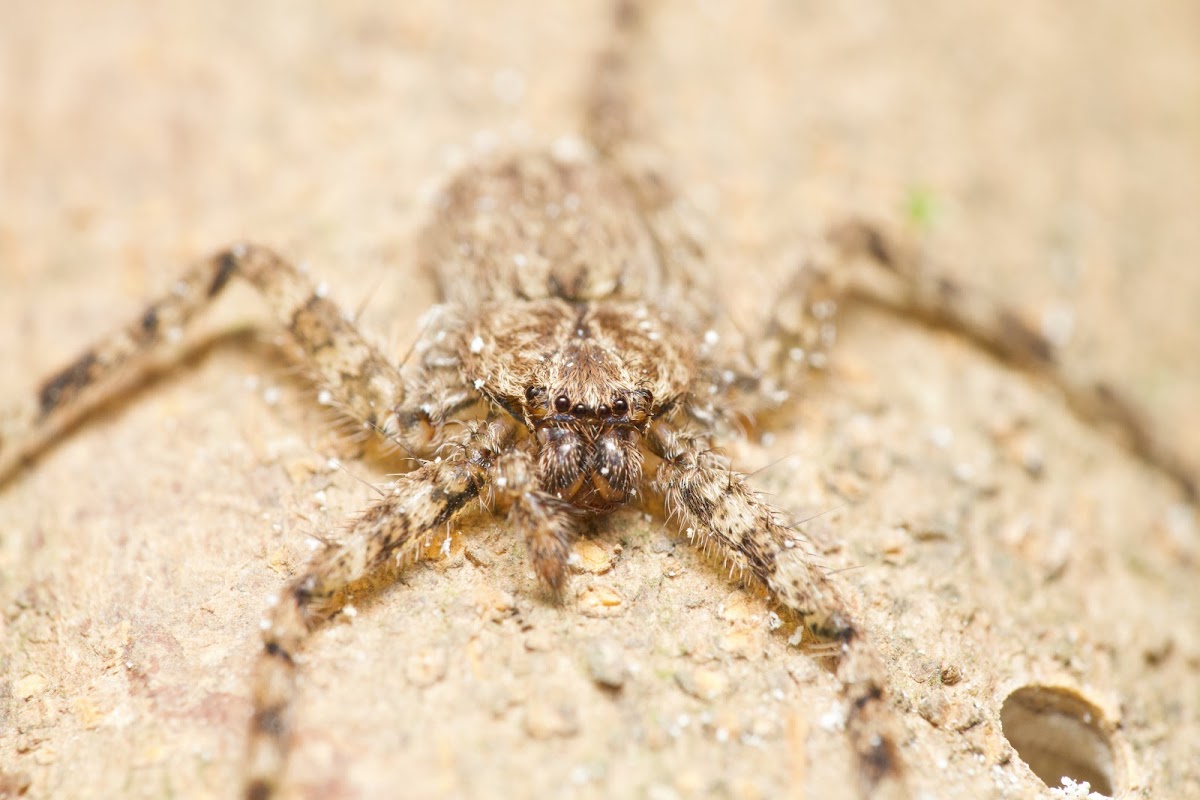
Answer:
[(349, 371), (546, 523), (798, 334), (716, 506), (608, 115), (422, 501), (903, 283), (862, 264)]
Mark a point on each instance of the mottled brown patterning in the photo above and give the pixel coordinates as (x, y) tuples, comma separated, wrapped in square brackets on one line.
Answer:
[(576, 337)]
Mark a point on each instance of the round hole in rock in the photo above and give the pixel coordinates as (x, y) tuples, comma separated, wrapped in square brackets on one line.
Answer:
[(1059, 733)]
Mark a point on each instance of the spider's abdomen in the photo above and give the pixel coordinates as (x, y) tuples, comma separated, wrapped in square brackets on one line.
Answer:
[(535, 226)]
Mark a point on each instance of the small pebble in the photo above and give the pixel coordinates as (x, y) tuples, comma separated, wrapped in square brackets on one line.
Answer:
[(600, 601), (739, 607), (548, 720), (606, 663), (950, 675), (703, 683), (538, 641), (426, 667), (592, 557), (846, 484), (743, 642), (478, 555)]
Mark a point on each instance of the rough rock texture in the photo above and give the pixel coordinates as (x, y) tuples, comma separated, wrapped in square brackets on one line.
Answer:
[(1046, 152)]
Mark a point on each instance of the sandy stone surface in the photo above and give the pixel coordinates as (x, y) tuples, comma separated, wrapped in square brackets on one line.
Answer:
[(1044, 152)]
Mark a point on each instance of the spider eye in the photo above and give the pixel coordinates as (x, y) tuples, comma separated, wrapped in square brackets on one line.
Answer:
[(532, 392), (562, 404), (620, 406), (603, 410), (580, 410)]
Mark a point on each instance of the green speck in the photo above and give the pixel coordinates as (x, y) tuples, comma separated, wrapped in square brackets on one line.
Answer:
[(921, 206)]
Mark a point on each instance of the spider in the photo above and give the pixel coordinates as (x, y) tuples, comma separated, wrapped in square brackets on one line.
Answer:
[(580, 344)]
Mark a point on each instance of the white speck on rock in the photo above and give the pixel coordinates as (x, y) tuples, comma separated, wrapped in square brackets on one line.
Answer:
[(834, 719)]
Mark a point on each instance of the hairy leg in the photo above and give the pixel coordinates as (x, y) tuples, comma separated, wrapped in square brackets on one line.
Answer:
[(607, 110), (902, 282), (351, 373), (861, 264), (545, 523), (798, 335), (716, 507), (422, 501)]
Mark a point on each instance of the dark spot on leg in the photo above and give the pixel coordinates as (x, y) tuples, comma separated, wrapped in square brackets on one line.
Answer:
[(833, 628), (870, 696), (258, 789), (881, 761), (411, 419), (311, 325), (302, 594), (1023, 343), (456, 501), (761, 561), (274, 650), (270, 721), (698, 503), (878, 756), (1111, 408), (948, 291), (150, 321), (628, 16), (550, 566), (66, 384), (226, 264), (877, 247)]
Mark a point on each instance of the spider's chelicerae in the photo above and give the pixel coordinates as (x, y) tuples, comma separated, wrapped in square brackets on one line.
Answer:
[(578, 341)]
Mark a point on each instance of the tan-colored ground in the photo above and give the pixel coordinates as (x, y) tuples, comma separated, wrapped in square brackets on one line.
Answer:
[(1056, 146)]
